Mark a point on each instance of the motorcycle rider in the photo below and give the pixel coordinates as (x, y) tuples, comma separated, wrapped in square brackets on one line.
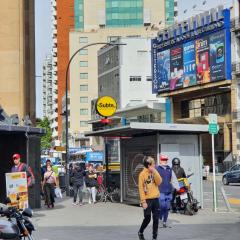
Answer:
[(180, 173), (169, 181)]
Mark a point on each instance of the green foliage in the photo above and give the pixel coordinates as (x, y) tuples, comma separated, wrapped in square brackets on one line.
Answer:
[(47, 138)]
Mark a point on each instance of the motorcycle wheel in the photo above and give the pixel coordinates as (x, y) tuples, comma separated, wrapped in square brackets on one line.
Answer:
[(188, 209)]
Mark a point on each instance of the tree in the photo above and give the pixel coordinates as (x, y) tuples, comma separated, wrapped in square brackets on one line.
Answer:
[(47, 138)]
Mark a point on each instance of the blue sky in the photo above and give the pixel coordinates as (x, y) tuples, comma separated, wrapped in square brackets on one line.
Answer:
[(43, 31), (44, 41)]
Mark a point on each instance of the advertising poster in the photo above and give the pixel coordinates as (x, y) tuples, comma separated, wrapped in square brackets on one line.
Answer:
[(217, 55), (176, 67), (16, 187), (202, 60), (163, 69), (189, 64)]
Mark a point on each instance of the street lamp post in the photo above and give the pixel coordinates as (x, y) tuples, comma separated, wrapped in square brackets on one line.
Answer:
[(66, 107)]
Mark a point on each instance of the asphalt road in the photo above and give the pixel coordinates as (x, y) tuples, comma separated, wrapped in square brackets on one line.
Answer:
[(232, 192)]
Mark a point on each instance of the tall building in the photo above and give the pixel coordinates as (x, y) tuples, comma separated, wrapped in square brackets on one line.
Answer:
[(104, 21), (17, 58), (63, 21), (47, 87)]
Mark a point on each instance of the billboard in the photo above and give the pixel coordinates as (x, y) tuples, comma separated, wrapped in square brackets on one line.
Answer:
[(189, 61), (217, 55), (199, 56), (176, 67)]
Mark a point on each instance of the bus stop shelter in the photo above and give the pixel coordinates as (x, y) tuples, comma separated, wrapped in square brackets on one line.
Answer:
[(24, 140), (174, 140)]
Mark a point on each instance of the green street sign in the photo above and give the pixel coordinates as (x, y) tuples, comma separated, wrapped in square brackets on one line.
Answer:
[(213, 128)]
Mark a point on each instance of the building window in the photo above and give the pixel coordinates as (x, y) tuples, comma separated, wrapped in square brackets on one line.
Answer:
[(149, 78), (84, 87), (135, 78), (83, 52), (83, 124), (83, 111), (83, 99), (83, 40), (83, 63), (219, 104), (83, 75)]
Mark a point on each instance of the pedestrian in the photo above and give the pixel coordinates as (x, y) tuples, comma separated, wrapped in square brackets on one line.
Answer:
[(180, 173), (49, 183), (43, 171), (22, 167), (91, 183), (148, 182), (77, 177), (166, 187)]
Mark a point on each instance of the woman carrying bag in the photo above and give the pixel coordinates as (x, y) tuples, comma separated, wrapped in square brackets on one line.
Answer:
[(49, 183)]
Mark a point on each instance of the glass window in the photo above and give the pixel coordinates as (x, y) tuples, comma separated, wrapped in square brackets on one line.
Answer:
[(83, 52), (83, 124), (83, 39), (83, 111), (83, 99), (84, 75), (235, 168), (84, 87), (83, 63), (135, 78)]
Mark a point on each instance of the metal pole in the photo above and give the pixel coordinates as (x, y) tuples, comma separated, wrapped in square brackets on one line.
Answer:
[(66, 107), (214, 177)]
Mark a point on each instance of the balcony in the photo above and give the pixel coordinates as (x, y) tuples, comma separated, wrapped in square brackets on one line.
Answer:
[(54, 125), (54, 134), (53, 116)]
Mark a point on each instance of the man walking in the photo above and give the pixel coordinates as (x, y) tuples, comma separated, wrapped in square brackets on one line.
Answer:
[(168, 181), (22, 167), (149, 180)]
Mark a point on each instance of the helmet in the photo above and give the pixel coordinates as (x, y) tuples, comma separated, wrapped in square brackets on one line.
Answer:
[(176, 161), (147, 161)]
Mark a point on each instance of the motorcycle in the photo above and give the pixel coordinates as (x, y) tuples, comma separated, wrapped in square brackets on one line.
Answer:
[(17, 226), (185, 202)]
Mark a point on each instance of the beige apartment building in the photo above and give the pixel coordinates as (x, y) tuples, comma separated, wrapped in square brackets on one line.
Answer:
[(17, 57), (101, 24)]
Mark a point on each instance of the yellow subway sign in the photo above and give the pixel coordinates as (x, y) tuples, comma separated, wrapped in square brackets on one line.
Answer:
[(106, 106)]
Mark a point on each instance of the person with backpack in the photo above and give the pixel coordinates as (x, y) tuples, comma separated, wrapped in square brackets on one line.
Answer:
[(22, 167)]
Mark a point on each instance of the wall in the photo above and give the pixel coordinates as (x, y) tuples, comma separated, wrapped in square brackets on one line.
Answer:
[(17, 57)]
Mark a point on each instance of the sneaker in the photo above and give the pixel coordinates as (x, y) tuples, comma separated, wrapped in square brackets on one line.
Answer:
[(164, 224), (89, 202), (141, 236), (80, 204), (74, 204)]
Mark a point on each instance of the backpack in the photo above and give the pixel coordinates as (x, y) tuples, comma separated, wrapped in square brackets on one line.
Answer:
[(30, 176)]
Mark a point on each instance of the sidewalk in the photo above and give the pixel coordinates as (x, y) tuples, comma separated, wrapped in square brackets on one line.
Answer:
[(107, 221)]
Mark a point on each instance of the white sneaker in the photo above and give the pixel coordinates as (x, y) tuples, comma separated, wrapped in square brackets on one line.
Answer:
[(89, 202), (74, 203)]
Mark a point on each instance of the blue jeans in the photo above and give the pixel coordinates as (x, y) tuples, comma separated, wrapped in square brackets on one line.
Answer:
[(164, 201)]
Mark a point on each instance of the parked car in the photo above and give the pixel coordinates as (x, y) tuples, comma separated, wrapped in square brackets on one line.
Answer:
[(232, 175)]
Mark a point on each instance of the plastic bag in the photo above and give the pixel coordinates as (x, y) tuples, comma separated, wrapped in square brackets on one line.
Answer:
[(58, 192)]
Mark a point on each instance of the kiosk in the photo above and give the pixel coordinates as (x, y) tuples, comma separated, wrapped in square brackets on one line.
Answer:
[(174, 140)]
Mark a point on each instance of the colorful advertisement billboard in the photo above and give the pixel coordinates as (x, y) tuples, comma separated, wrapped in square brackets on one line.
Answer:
[(189, 61), (200, 56)]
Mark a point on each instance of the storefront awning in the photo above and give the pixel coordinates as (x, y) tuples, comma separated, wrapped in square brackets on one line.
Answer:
[(21, 129), (139, 128)]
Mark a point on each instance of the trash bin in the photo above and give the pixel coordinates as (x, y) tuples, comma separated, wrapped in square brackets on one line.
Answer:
[(62, 180)]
